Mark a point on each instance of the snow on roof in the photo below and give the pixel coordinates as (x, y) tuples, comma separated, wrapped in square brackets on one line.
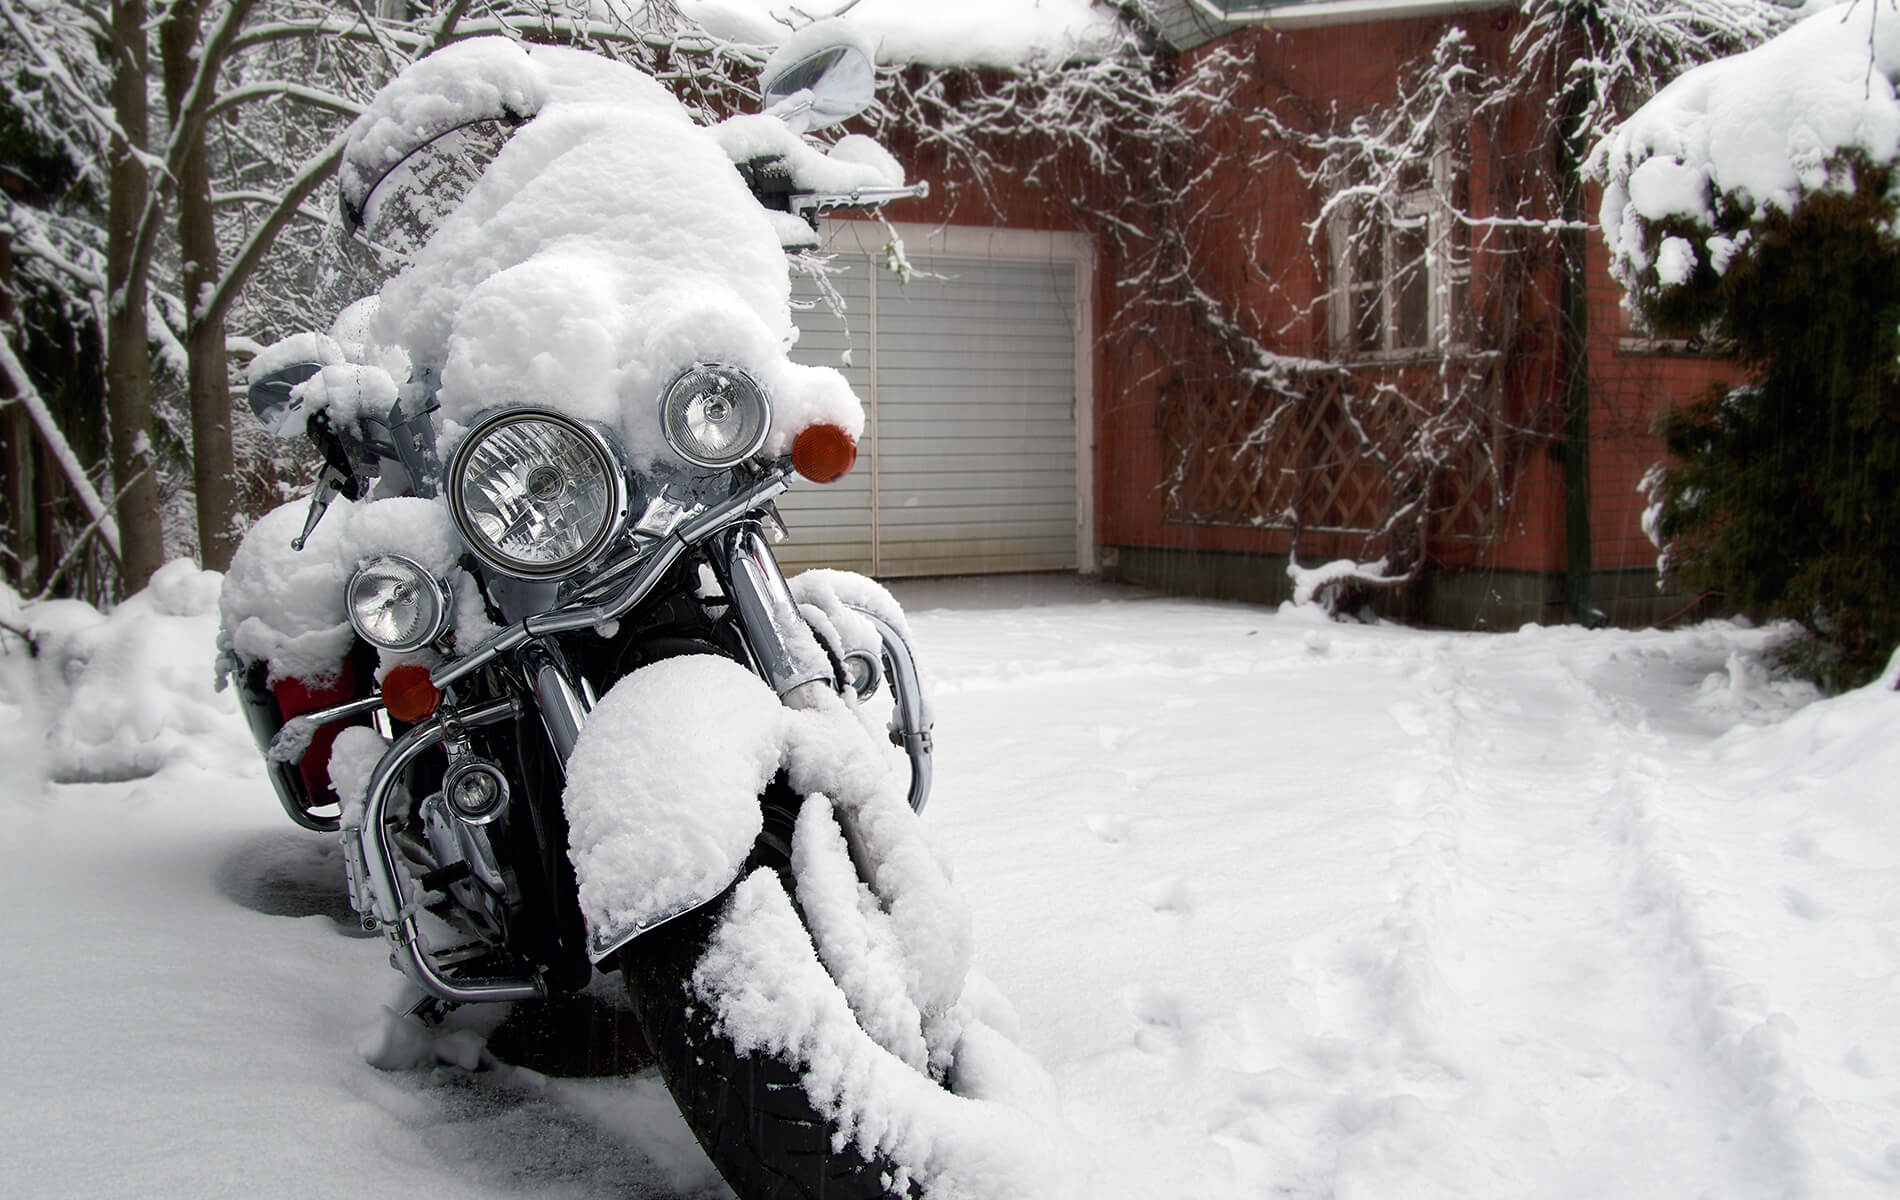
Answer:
[(998, 33), (1752, 130)]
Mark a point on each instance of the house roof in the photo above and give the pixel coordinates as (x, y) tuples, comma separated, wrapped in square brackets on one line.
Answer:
[(1185, 24)]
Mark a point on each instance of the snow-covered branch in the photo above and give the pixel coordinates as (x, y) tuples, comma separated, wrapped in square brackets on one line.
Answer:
[(280, 88), (320, 168)]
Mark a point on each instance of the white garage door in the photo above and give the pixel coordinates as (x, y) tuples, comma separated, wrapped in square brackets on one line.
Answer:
[(969, 373)]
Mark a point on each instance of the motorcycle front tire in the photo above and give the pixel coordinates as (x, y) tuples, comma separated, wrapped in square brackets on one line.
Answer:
[(749, 1110)]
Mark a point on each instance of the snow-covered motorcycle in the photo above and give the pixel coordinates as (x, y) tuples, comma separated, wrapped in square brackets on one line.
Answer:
[(526, 650)]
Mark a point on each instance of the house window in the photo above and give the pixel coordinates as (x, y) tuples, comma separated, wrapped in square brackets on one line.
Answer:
[(1401, 263), (1634, 336)]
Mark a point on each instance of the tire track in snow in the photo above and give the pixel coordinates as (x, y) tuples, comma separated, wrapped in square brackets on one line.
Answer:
[(1751, 1046), (1538, 933)]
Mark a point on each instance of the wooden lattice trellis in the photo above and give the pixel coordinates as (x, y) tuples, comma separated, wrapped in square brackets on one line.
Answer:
[(1336, 454)]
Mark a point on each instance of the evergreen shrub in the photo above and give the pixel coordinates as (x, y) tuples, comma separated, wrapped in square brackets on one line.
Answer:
[(1785, 492)]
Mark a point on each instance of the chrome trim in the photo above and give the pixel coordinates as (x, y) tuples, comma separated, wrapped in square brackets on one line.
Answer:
[(782, 644), (304, 817), (601, 947), (661, 560), (378, 894), (294, 738), (910, 718)]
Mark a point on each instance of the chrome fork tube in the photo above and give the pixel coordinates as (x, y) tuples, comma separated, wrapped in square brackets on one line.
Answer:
[(562, 707), (784, 646)]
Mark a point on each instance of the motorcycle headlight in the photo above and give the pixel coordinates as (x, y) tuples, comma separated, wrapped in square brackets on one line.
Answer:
[(714, 415), (395, 604), (536, 494)]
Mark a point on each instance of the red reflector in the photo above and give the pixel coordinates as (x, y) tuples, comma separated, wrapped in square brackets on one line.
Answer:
[(823, 453), (408, 694)]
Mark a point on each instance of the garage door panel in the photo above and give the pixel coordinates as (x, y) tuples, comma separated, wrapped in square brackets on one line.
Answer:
[(903, 384), (956, 559), (898, 521), (955, 491), (990, 481), (1040, 431), (970, 406), (833, 524), (793, 558), (969, 463), (896, 468), (946, 443)]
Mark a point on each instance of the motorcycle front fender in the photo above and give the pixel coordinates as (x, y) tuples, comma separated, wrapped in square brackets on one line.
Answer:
[(662, 793)]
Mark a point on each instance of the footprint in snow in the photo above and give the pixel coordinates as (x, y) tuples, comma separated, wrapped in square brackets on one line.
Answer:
[(1803, 905), (1138, 778), (1113, 737), (1160, 1021), (1110, 829), (1860, 1062), (1169, 897)]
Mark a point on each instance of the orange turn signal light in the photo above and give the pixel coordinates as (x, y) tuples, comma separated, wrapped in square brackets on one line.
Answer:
[(823, 453), (408, 693)]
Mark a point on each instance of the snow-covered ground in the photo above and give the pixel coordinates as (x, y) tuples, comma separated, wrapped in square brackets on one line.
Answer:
[(1286, 907)]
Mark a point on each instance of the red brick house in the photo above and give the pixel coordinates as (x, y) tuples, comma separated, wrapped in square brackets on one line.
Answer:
[(1035, 408)]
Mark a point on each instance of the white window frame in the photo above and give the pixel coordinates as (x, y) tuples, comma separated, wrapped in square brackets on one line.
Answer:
[(1447, 270)]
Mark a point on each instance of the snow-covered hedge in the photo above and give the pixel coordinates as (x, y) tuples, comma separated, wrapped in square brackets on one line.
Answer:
[(86, 695), (1734, 139)]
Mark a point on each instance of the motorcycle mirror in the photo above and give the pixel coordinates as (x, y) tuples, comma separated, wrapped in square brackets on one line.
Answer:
[(270, 395), (823, 76)]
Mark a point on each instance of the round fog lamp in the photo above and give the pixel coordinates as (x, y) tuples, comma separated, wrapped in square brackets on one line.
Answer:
[(714, 415), (396, 604)]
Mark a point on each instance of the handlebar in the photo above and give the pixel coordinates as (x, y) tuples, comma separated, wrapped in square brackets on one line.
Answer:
[(810, 204)]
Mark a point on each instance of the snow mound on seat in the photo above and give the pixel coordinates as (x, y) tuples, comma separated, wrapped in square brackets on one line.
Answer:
[(609, 247)]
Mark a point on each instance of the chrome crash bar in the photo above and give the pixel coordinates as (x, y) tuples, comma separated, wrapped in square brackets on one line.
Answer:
[(376, 878), (910, 721)]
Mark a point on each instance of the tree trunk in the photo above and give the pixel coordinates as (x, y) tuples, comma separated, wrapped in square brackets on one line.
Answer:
[(213, 466), (128, 353), (16, 451)]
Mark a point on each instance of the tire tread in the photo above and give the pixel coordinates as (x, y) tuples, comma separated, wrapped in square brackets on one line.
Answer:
[(749, 1111)]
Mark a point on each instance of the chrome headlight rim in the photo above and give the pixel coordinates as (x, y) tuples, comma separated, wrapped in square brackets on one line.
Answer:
[(742, 451), (434, 587), (613, 469)]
